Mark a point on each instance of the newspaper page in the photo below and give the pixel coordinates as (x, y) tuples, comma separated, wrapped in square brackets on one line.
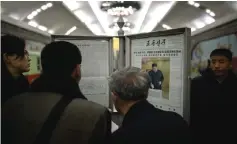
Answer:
[(94, 70), (162, 59)]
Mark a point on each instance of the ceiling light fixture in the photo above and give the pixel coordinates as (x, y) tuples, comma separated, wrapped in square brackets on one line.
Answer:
[(208, 11), (38, 10), (43, 28), (193, 29), (44, 7), (212, 14), (51, 31), (166, 26), (71, 30), (191, 2), (33, 23), (49, 5), (200, 24), (118, 8), (196, 5), (72, 5), (209, 20)]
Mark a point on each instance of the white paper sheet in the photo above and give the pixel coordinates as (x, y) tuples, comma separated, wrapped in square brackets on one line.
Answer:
[(167, 53)]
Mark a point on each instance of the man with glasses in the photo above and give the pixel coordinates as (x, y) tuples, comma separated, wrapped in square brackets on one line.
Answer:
[(15, 61)]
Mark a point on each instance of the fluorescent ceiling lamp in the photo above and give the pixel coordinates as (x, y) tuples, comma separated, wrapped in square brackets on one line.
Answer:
[(30, 16), (160, 12), (14, 16), (72, 5), (166, 26), (44, 7), (83, 16), (33, 23), (200, 24), (43, 28), (34, 13), (208, 11), (212, 14), (38, 10), (71, 30), (193, 29), (49, 5), (196, 4), (209, 20), (51, 31), (191, 2)]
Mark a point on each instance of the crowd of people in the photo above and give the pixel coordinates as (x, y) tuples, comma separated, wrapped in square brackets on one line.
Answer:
[(53, 109)]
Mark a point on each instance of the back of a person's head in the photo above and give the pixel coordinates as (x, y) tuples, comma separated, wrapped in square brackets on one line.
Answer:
[(222, 52), (60, 57), (131, 84), (12, 45)]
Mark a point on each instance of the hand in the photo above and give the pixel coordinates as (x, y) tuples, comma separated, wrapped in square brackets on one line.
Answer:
[(160, 83), (152, 86)]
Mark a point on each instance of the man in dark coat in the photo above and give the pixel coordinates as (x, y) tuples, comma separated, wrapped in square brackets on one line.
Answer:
[(157, 77), (14, 62), (143, 123), (55, 110), (213, 102)]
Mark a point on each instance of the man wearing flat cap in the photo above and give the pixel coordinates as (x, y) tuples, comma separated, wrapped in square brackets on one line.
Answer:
[(213, 102)]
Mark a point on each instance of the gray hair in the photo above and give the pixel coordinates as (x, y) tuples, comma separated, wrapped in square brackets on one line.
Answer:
[(130, 83)]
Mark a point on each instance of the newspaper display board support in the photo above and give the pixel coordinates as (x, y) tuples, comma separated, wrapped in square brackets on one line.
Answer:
[(165, 55), (97, 65)]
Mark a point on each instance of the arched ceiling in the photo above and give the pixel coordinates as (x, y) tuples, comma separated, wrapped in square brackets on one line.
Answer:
[(86, 17)]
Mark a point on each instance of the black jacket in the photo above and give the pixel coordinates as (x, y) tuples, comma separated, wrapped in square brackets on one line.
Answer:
[(144, 124), (65, 86), (213, 109), (11, 86)]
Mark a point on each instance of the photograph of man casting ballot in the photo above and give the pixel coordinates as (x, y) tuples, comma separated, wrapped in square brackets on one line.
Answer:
[(159, 72)]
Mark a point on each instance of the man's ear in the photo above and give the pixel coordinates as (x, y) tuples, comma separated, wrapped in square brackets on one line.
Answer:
[(77, 71), (6, 58)]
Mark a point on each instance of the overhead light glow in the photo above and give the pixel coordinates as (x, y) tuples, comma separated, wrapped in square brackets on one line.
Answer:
[(33, 23), (43, 28), (83, 17), (160, 12), (102, 18), (72, 5), (14, 16), (51, 31), (191, 2), (166, 26), (126, 29), (38, 10), (95, 29), (212, 14), (44, 7), (71, 30), (200, 24), (193, 29), (208, 11), (30, 16), (49, 5), (196, 4), (34, 13), (209, 20)]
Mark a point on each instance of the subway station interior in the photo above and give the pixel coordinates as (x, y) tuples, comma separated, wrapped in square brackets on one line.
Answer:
[(177, 37)]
